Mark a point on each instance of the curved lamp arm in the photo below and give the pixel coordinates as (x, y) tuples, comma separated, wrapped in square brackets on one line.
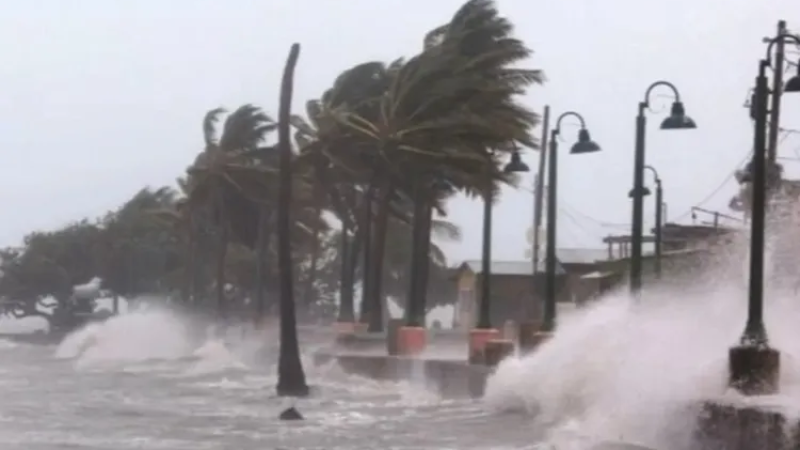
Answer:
[(777, 39), (649, 91), (655, 173), (557, 128)]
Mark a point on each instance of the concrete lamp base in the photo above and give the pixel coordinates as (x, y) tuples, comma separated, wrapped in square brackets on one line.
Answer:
[(411, 341), (344, 327), (497, 350), (478, 338), (534, 340), (754, 370), (510, 331), (728, 426), (530, 337)]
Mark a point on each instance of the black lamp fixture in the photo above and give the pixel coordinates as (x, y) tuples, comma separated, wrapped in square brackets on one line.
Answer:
[(585, 143), (774, 174), (793, 85), (484, 305), (516, 164), (677, 119)]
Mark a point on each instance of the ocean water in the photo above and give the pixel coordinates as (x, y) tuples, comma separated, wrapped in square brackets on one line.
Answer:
[(137, 381), (620, 370)]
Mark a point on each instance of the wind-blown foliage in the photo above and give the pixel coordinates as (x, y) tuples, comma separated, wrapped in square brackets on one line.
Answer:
[(375, 159)]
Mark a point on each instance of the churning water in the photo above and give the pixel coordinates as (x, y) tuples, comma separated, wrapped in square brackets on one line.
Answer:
[(618, 371), (637, 372), (139, 381)]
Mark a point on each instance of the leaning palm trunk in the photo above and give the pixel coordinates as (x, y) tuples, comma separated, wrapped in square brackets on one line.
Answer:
[(378, 248), (291, 378), (346, 278), (189, 272), (262, 256), (366, 236), (423, 268), (418, 270), (222, 252), (316, 248)]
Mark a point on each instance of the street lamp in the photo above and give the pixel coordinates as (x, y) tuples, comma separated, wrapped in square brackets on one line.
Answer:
[(483, 331), (754, 367), (659, 220), (484, 321), (585, 144), (677, 120)]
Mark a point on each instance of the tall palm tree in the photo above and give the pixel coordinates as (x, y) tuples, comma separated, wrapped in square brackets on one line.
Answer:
[(446, 116), (291, 377), (322, 142), (223, 175)]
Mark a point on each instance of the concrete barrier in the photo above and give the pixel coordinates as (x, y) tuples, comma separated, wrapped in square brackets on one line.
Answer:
[(732, 426), (448, 378), (373, 340)]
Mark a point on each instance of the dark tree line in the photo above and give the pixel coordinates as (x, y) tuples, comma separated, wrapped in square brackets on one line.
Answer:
[(370, 162)]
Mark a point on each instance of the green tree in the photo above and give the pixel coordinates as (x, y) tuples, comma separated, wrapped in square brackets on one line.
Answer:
[(224, 178)]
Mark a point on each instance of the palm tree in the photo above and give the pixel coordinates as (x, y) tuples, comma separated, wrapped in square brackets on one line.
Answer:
[(445, 117), (323, 142), (291, 378), (224, 176)]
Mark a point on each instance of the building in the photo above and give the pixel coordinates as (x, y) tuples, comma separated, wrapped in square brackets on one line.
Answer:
[(582, 274), (515, 290), (686, 250)]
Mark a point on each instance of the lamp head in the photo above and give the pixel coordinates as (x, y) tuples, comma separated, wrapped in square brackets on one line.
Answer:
[(793, 85), (774, 174), (516, 164), (644, 192), (678, 120), (585, 143)]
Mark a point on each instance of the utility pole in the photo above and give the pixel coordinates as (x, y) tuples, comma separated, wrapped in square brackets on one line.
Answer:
[(777, 91), (530, 325), (538, 190)]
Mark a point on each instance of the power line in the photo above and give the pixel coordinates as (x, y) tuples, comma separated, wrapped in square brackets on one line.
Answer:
[(715, 191), (785, 134), (575, 222), (597, 221), (574, 210)]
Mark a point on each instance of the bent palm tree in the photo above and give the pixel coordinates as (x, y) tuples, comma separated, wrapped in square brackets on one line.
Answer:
[(291, 378), (445, 118), (223, 175)]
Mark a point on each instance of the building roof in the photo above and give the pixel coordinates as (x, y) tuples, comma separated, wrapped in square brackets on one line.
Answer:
[(581, 255), (566, 256), (508, 267)]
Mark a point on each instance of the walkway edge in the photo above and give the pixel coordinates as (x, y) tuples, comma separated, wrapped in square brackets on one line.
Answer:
[(448, 378)]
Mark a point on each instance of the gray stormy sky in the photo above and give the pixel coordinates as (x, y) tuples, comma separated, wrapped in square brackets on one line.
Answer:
[(100, 98)]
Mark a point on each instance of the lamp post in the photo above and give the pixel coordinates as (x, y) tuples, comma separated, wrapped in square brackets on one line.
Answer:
[(584, 145), (658, 218), (753, 365), (484, 311), (483, 331), (677, 120)]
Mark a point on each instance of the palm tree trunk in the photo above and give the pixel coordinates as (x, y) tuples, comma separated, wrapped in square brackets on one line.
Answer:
[(366, 236), (193, 266), (424, 261), (346, 307), (377, 249), (311, 279), (222, 253), (291, 377), (262, 255), (413, 316)]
